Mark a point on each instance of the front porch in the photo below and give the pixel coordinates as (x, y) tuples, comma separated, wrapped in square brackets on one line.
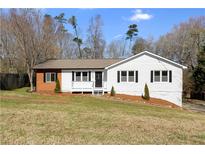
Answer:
[(89, 82), (89, 87)]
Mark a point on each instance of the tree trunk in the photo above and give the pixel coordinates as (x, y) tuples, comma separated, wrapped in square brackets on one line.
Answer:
[(30, 75)]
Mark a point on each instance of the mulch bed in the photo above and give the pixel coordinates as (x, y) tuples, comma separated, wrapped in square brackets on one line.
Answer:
[(123, 97), (152, 101)]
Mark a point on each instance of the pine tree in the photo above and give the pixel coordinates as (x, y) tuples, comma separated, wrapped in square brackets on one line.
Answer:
[(199, 72), (57, 88), (112, 93), (146, 92)]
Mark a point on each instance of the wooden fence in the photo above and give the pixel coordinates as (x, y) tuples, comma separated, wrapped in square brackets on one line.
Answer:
[(9, 81)]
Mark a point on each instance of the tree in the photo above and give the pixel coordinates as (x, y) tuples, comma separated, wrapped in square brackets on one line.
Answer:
[(32, 37), (79, 42), (73, 22), (115, 49), (131, 33), (199, 71), (142, 45), (95, 40), (112, 93), (181, 44), (146, 92), (57, 88)]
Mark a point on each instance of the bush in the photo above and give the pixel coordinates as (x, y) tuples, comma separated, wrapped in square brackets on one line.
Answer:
[(146, 92), (57, 88), (112, 93)]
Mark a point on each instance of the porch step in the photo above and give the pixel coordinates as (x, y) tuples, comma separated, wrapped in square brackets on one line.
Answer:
[(98, 92)]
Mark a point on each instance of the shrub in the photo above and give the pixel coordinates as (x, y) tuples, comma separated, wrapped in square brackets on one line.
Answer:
[(146, 92), (112, 93), (57, 88)]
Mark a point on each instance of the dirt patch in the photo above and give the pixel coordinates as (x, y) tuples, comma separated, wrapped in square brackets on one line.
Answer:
[(152, 101)]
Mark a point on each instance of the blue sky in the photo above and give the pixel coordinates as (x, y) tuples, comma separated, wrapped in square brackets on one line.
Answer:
[(151, 22)]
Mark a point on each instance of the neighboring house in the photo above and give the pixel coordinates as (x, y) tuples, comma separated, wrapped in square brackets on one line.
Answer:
[(128, 76)]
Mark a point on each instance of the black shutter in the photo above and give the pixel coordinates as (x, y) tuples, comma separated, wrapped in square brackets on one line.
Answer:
[(89, 76), (136, 76), (72, 76), (170, 76), (56, 75), (44, 77), (151, 76), (118, 76)]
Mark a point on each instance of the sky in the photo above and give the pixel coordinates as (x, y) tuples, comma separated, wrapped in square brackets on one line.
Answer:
[(151, 22)]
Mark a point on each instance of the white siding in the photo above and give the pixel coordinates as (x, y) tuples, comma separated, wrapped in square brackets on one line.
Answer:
[(144, 64), (66, 81), (69, 86)]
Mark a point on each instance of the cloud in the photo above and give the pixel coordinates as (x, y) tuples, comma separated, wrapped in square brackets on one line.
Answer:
[(139, 15), (117, 36)]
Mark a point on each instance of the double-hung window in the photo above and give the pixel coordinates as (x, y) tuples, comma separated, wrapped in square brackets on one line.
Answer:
[(164, 76), (131, 76), (123, 76), (77, 76), (161, 76), (157, 76), (85, 76), (81, 76), (50, 77), (127, 76)]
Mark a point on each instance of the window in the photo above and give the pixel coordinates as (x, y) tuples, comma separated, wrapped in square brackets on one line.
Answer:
[(123, 76), (157, 76), (127, 76), (78, 76), (51, 77), (131, 76), (81, 76), (85, 76), (161, 76), (164, 76)]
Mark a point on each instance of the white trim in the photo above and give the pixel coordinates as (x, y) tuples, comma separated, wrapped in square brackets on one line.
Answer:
[(148, 53)]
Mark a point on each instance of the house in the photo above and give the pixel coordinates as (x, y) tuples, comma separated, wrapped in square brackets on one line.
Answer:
[(128, 76)]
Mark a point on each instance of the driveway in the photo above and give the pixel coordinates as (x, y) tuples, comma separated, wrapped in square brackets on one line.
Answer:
[(194, 105)]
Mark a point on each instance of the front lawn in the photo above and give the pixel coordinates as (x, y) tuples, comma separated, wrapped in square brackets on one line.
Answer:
[(31, 118)]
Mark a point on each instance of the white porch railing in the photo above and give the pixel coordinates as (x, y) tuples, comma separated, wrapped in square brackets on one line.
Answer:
[(87, 86)]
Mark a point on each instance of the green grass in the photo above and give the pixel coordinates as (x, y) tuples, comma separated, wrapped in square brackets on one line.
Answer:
[(30, 118)]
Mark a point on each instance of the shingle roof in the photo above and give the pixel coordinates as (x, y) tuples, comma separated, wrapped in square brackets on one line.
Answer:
[(76, 64)]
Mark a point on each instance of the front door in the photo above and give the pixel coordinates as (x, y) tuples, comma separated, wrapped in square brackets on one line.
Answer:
[(98, 79)]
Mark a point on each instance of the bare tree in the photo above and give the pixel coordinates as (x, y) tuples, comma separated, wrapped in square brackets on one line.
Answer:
[(115, 49), (95, 40), (181, 43), (32, 37)]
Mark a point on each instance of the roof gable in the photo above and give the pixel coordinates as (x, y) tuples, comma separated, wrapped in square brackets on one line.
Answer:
[(149, 54)]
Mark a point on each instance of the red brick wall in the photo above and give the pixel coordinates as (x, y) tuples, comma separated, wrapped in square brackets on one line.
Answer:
[(43, 86)]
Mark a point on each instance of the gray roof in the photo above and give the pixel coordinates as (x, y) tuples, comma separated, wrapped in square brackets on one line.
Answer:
[(77, 64)]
